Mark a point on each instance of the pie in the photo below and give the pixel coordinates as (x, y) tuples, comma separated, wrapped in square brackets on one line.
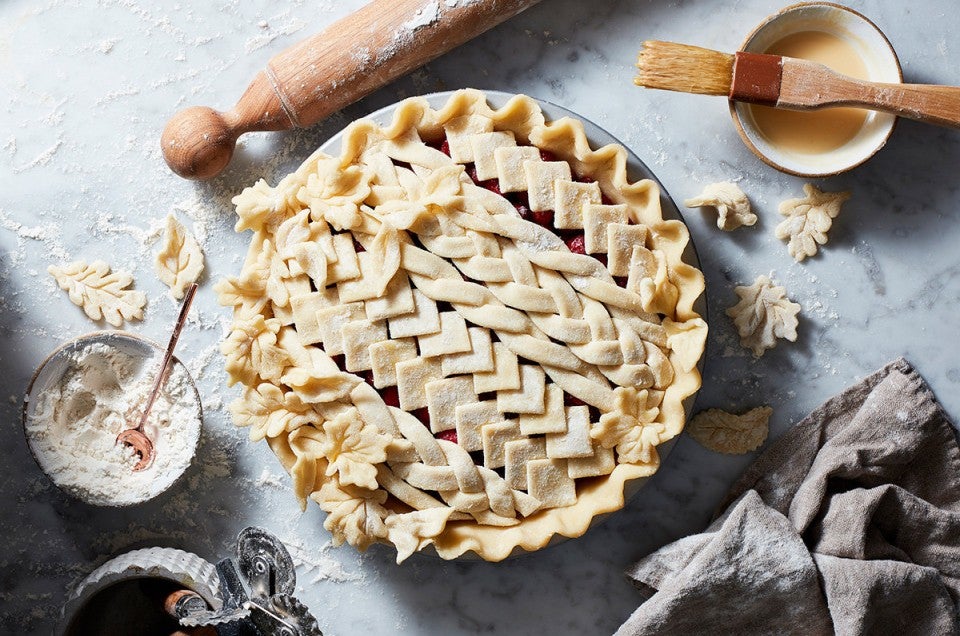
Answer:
[(468, 331)]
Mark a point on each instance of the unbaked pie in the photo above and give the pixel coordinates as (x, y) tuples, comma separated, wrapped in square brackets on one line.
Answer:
[(468, 330)]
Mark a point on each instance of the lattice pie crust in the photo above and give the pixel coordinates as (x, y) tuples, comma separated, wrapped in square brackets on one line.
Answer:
[(431, 337)]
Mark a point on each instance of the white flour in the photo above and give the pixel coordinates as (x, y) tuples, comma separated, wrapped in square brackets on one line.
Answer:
[(73, 426)]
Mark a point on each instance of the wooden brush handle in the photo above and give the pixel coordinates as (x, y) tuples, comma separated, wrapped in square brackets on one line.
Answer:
[(806, 85), (310, 80)]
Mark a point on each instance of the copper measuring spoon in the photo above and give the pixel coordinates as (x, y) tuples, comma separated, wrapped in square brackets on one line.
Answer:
[(135, 437)]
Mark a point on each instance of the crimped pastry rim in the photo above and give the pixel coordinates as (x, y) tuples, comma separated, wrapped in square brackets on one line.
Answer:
[(608, 166)]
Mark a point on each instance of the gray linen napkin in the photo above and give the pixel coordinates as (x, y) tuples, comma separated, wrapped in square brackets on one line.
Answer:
[(848, 524)]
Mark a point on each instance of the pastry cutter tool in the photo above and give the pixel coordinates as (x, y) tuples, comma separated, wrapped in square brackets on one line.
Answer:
[(257, 590)]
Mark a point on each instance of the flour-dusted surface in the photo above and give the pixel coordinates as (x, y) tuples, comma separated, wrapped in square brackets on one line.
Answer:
[(75, 417), (85, 88)]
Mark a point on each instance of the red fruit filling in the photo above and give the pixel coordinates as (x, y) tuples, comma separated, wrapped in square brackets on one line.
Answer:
[(569, 400), (577, 244), (423, 415), (492, 185), (450, 436), (546, 155), (390, 396), (543, 218), (445, 147)]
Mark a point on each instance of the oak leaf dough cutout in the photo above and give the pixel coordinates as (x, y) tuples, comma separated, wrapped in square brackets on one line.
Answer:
[(764, 314), (729, 433), (180, 259), (101, 294), (808, 220), (732, 205)]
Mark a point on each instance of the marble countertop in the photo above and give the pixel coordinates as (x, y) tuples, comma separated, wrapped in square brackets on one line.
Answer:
[(85, 88)]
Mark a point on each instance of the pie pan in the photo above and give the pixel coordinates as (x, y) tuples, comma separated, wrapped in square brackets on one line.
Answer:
[(400, 223)]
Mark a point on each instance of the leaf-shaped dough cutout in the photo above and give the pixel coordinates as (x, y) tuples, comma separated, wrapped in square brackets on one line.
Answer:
[(243, 292), (630, 426), (764, 314), (354, 515), (686, 340), (317, 388), (353, 449), (411, 531), (269, 411), (385, 251), (251, 351), (658, 294), (732, 205), (261, 207), (724, 432), (808, 220), (306, 443), (335, 193), (180, 259), (100, 293), (249, 289)]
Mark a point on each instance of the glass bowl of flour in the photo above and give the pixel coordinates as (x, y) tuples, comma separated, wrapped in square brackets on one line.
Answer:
[(88, 391)]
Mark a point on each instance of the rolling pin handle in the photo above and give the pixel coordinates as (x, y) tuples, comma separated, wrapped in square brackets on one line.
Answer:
[(198, 142)]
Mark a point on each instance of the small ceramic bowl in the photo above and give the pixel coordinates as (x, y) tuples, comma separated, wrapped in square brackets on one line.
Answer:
[(881, 64), (51, 370)]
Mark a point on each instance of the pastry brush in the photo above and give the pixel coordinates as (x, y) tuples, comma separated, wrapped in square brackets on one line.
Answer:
[(786, 82)]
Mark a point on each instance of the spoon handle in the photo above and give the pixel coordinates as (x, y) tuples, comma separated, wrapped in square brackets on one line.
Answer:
[(168, 355)]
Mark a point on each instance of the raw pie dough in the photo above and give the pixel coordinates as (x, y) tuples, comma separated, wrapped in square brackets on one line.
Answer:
[(808, 220), (101, 294), (764, 314), (728, 433), (435, 367), (180, 259), (732, 205)]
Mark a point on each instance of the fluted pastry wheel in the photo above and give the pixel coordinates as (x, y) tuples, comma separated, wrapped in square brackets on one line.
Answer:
[(468, 330)]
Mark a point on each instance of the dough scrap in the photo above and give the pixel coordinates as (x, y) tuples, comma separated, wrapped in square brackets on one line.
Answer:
[(180, 259), (808, 220), (101, 294), (732, 205), (764, 314), (729, 433)]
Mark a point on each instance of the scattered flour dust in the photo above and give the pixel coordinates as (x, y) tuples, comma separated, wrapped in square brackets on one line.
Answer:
[(288, 26), (73, 423), (424, 16), (317, 563)]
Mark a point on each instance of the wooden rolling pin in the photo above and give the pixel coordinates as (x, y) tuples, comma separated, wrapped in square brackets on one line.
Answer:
[(310, 80)]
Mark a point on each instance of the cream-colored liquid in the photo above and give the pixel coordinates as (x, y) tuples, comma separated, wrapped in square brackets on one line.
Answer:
[(817, 131)]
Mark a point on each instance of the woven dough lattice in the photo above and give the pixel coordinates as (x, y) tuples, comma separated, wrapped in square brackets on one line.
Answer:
[(468, 330)]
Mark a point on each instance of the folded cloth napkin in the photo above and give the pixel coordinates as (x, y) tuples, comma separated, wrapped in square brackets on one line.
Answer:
[(848, 524)]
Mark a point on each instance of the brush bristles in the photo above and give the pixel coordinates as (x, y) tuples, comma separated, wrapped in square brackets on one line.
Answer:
[(684, 68)]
